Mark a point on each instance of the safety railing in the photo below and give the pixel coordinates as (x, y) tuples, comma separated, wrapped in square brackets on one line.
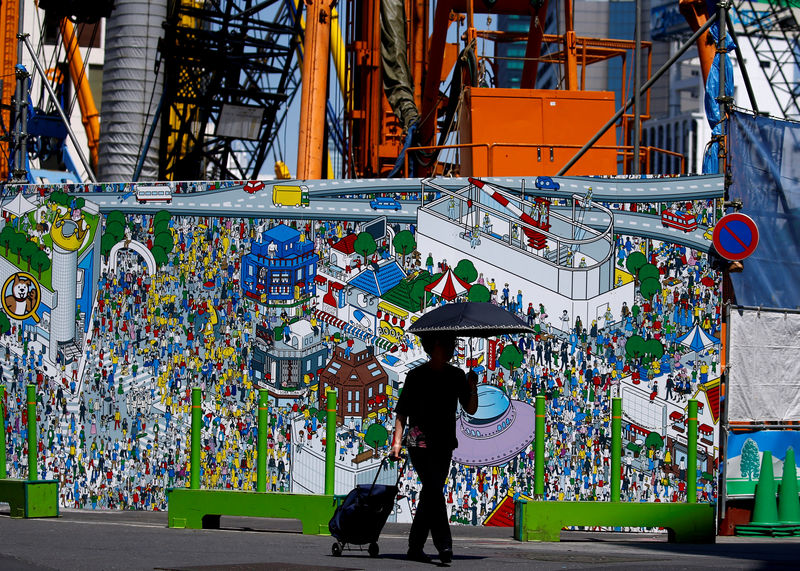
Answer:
[(624, 152)]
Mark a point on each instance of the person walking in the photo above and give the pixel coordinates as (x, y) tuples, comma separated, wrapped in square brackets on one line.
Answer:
[(427, 405)]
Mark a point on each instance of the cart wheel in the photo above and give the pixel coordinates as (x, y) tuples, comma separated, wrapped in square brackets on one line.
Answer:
[(373, 550), (336, 549)]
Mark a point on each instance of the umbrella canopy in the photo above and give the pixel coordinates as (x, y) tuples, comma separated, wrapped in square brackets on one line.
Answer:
[(470, 319), (697, 339), (19, 205), (449, 286)]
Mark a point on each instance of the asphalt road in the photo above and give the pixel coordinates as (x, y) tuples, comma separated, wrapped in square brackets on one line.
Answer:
[(88, 540)]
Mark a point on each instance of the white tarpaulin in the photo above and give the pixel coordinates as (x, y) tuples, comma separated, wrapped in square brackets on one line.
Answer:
[(764, 378)]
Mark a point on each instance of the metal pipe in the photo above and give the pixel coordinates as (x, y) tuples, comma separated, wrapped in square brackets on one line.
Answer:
[(194, 471), (644, 89), (637, 79), (314, 94), (616, 447), (3, 474), (89, 113), (54, 99), (149, 140), (740, 58), (32, 445), (691, 453), (263, 426), (330, 443), (538, 466), (722, 9)]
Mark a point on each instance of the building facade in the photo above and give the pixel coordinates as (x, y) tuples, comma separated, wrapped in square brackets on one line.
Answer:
[(279, 270), (359, 381)]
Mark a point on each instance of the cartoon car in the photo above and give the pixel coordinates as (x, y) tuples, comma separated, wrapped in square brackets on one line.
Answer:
[(253, 186), (546, 183), (384, 203), (709, 234)]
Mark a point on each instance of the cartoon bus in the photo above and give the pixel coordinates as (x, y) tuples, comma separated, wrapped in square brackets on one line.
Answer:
[(290, 195), (153, 194), (680, 220)]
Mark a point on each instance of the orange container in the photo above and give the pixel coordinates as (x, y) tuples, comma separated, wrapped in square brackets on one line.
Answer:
[(525, 132)]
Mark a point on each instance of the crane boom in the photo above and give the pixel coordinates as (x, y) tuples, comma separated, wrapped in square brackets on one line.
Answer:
[(89, 114)]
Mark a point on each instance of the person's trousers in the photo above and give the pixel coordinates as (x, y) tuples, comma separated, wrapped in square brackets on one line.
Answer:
[(432, 467)]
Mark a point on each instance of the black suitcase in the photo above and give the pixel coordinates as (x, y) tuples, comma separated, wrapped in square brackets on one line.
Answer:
[(360, 518)]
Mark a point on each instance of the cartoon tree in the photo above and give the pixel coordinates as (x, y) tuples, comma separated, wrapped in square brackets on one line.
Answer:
[(159, 255), (418, 294), (653, 348), (161, 226), (635, 261), (634, 347), (80, 202), (115, 229), (750, 462), (510, 358), (40, 262), (465, 270), (17, 242), (376, 436), (5, 324), (162, 215), (649, 287), (404, 244), (479, 292), (28, 250), (5, 237), (115, 216), (106, 243), (164, 239), (654, 440), (365, 245), (648, 271)]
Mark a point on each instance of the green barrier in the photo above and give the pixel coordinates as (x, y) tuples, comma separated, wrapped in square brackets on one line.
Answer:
[(201, 509), (686, 522), (27, 498), (196, 508), (543, 521)]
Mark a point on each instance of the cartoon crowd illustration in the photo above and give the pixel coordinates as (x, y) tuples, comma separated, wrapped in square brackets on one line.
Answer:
[(164, 302)]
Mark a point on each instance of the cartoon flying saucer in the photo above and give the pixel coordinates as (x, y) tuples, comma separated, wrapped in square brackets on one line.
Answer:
[(499, 430)]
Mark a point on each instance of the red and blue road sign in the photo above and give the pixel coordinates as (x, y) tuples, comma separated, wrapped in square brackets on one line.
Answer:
[(735, 236)]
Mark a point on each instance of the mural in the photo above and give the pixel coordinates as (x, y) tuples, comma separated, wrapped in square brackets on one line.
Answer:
[(118, 299)]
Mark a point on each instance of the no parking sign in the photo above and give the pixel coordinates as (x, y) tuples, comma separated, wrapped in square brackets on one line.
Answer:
[(735, 236)]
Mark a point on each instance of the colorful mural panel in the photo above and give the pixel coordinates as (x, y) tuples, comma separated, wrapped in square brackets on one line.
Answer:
[(143, 293)]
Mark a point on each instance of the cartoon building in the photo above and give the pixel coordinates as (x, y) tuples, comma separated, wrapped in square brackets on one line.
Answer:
[(67, 235), (365, 290), (358, 379), (343, 253), (279, 270), (284, 367)]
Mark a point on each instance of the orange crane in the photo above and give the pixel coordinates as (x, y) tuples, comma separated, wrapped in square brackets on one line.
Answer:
[(9, 22), (90, 116), (499, 131)]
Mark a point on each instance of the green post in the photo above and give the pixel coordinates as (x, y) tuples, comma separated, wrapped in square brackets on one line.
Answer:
[(538, 467), (330, 444), (616, 447), (197, 411), (261, 458), (32, 449), (3, 474), (691, 460)]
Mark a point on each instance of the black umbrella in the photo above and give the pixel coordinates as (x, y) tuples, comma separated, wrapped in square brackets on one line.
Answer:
[(470, 319)]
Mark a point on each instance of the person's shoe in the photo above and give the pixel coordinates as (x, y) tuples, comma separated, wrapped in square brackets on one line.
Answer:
[(446, 556), (418, 555)]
